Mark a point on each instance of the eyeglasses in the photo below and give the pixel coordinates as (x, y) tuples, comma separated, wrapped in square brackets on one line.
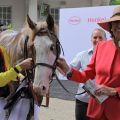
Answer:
[(98, 37)]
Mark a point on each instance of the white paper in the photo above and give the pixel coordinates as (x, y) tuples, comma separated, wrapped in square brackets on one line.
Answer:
[(90, 88)]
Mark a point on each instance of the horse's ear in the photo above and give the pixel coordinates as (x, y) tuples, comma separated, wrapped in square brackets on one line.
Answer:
[(30, 23), (50, 22)]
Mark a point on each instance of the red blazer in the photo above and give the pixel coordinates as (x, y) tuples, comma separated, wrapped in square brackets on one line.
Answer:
[(105, 66)]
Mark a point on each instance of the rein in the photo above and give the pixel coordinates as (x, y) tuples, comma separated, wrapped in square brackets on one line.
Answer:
[(56, 76), (28, 80), (30, 73), (53, 67)]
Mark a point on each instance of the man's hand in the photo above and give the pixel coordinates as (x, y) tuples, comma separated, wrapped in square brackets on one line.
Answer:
[(26, 64)]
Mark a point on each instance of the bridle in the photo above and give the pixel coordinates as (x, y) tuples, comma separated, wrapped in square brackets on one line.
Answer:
[(30, 73), (57, 45), (53, 67), (58, 49)]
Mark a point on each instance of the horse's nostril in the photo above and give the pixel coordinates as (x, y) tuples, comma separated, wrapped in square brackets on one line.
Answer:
[(43, 88)]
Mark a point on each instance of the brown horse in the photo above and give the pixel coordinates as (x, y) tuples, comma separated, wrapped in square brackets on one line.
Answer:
[(42, 46)]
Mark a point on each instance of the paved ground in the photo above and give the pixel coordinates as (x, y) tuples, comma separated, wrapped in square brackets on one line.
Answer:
[(58, 110), (58, 92), (61, 104)]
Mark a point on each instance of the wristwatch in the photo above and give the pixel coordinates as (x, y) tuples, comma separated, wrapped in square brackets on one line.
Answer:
[(69, 74), (16, 70)]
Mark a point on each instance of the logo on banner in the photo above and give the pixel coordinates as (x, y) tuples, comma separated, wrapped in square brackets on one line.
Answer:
[(96, 19), (74, 20)]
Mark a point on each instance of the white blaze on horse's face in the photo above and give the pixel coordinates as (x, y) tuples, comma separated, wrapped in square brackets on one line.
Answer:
[(43, 55)]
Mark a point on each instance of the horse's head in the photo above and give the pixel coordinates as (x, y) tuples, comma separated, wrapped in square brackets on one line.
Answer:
[(42, 37)]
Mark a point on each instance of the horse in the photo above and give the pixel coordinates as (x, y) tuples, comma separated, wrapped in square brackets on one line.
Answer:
[(43, 46)]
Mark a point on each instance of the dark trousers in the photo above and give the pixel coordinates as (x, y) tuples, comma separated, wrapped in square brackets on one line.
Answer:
[(81, 110)]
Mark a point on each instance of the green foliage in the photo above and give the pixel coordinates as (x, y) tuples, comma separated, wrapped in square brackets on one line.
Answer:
[(9, 26), (116, 2)]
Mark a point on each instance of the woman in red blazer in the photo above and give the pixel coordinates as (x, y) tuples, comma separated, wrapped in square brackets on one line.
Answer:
[(105, 66)]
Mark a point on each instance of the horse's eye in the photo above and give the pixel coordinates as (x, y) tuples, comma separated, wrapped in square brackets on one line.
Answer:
[(52, 47)]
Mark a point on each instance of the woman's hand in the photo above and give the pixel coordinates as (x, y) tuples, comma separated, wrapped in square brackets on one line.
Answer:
[(105, 90), (62, 66)]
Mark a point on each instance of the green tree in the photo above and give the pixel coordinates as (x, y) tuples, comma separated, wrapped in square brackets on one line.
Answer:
[(115, 2), (9, 26)]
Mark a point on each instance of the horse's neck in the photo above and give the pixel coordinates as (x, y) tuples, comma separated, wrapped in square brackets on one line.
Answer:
[(14, 44)]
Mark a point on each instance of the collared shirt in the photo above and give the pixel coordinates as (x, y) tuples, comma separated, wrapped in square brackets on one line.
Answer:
[(79, 62)]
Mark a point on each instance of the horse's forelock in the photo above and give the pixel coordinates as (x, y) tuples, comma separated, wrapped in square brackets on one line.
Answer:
[(41, 25)]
